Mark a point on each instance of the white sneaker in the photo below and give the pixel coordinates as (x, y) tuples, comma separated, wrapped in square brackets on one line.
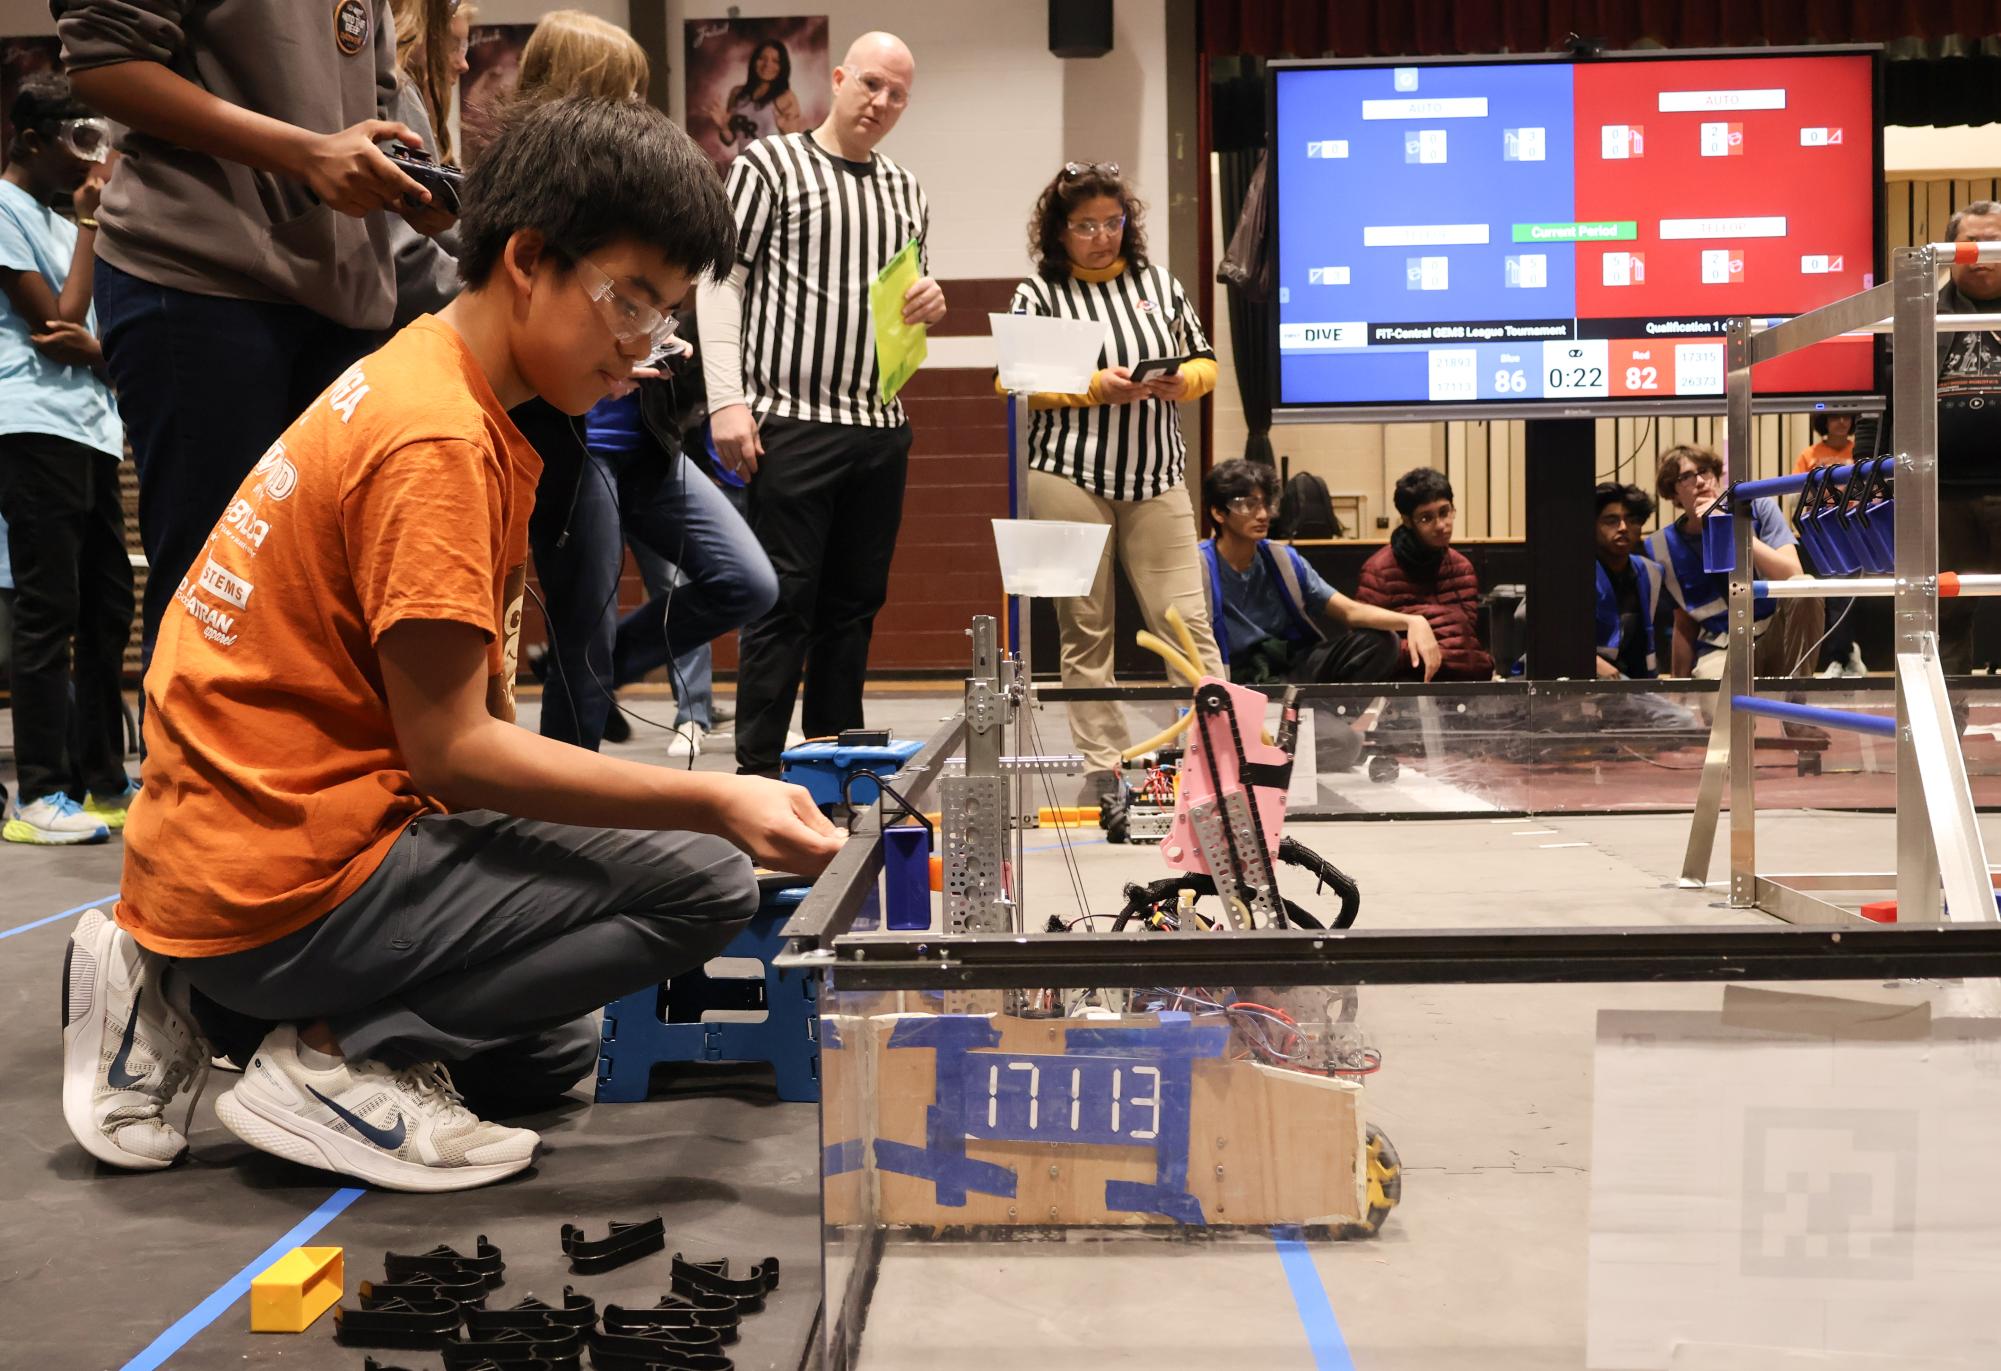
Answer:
[(401, 1130), (54, 819), (128, 1050), (1856, 666), (1830, 671), (687, 740)]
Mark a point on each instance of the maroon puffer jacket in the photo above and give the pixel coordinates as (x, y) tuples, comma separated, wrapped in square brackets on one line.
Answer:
[(1449, 601)]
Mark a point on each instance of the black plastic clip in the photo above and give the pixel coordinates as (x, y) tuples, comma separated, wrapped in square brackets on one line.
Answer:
[(713, 1277), (667, 1351), (575, 1312), (699, 1309), (371, 1364), (443, 1261), (466, 1289), (625, 1242), (397, 1323), (559, 1348)]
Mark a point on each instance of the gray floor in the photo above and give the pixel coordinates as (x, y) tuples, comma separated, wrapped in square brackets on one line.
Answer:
[(1486, 1093)]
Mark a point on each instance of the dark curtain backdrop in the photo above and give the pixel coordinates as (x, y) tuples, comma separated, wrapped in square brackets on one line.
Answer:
[(1237, 96), (1944, 62)]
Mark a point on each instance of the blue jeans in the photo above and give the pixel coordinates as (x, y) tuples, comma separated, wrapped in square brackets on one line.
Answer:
[(205, 385), (578, 535)]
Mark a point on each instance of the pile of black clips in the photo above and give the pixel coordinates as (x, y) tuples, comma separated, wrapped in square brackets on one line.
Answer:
[(437, 1301)]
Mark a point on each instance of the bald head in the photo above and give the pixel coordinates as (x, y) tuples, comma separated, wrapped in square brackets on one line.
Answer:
[(884, 52), (871, 90)]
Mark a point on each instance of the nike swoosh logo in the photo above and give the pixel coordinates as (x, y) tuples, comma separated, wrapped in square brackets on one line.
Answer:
[(120, 1078), (388, 1139)]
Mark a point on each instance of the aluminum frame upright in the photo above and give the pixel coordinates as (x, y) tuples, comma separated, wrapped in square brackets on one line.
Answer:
[(1938, 836), (1740, 666), (1914, 395)]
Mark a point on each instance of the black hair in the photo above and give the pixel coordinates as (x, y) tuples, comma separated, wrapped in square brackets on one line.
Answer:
[(43, 101), (1639, 504), (1236, 479), (778, 87), (1419, 487), (1050, 221), (1818, 420), (586, 171)]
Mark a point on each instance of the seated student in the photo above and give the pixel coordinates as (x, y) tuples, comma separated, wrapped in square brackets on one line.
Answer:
[(1420, 573), (1629, 596), (1285, 622), (343, 843), (1786, 630), (1629, 586)]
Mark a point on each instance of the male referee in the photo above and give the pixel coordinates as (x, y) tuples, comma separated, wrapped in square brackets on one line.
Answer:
[(789, 357)]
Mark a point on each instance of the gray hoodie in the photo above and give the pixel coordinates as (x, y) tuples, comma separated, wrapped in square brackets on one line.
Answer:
[(181, 218)]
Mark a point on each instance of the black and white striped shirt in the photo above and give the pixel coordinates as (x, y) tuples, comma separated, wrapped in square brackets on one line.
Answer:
[(814, 230), (1117, 452)]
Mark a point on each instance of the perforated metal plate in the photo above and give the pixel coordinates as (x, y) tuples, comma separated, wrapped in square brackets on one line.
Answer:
[(975, 820)]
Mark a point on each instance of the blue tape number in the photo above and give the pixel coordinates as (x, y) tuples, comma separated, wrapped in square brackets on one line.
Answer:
[(1023, 1098)]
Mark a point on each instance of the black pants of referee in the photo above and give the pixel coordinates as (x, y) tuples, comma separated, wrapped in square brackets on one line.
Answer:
[(826, 505)]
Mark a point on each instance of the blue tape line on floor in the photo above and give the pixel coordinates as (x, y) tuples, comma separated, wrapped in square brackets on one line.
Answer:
[(233, 1289), (1316, 1311), (112, 898)]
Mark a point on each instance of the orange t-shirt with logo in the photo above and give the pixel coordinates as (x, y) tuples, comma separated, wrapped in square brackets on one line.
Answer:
[(273, 784)]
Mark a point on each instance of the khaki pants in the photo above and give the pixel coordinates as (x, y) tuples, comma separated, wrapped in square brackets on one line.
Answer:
[(1155, 539), (1784, 648)]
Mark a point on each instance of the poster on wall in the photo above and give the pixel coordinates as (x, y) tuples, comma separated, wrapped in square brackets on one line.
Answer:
[(493, 66), (21, 57), (750, 78)]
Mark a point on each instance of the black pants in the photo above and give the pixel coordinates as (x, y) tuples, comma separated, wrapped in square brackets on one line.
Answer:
[(205, 385), (73, 578), (826, 505), (1354, 654), (1969, 539)]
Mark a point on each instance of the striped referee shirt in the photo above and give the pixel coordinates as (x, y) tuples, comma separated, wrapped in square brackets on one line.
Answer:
[(1117, 452), (814, 230)]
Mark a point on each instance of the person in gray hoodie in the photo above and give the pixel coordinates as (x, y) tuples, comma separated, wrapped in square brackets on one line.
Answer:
[(245, 254)]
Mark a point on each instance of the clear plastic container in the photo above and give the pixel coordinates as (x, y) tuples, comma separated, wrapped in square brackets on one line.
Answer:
[(1050, 558)]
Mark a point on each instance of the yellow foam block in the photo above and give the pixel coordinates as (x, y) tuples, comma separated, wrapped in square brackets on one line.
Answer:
[(287, 1295)]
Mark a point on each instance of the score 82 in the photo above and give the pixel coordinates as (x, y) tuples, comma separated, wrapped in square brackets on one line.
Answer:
[(1643, 378)]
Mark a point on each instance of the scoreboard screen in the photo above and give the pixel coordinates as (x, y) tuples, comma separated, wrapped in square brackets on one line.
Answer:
[(1548, 234)]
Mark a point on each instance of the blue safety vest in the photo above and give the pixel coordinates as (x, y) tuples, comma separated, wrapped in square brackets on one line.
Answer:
[(1611, 632), (1287, 573), (1705, 598)]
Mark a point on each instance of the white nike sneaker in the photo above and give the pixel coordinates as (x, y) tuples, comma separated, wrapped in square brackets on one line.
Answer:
[(687, 740), (128, 1049), (401, 1130)]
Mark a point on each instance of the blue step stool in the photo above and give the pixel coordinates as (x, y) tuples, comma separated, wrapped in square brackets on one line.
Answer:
[(642, 1029), (823, 768)]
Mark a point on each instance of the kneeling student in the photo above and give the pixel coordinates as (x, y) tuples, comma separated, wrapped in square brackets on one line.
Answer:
[(347, 865), (1275, 618)]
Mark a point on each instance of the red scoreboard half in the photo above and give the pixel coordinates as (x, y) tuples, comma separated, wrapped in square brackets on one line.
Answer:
[(1739, 181)]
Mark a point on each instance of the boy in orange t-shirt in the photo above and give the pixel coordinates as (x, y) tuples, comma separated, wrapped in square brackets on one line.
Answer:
[(1835, 445), (343, 844)]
